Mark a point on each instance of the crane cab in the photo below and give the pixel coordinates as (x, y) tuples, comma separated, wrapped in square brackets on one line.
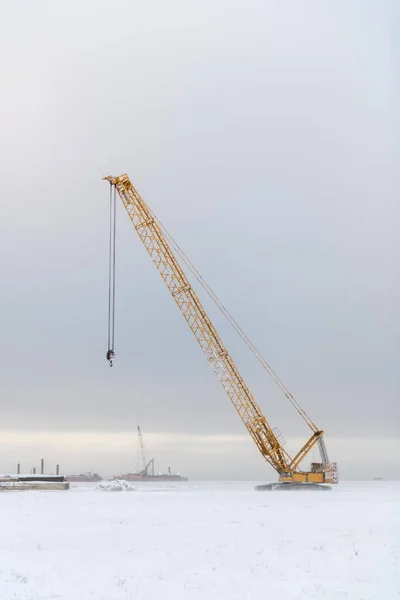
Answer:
[(319, 473)]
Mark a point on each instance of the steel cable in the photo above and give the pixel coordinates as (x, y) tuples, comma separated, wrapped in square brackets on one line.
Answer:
[(111, 270), (237, 327)]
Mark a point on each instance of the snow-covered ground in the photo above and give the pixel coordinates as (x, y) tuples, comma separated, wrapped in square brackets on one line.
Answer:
[(201, 541)]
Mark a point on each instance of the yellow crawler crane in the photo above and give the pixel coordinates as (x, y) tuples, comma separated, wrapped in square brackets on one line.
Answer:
[(158, 244)]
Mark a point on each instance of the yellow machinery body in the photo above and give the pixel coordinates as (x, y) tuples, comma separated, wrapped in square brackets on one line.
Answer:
[(158, 246)]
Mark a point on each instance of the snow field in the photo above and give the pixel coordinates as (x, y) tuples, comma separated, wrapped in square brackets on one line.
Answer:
[(201, 541), (117, 485)]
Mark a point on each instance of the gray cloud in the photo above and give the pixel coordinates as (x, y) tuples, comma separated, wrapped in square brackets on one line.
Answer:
[(265, 137)]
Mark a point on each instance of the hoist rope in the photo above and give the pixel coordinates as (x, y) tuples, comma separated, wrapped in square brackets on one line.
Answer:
[(113, 259), (111, 270)]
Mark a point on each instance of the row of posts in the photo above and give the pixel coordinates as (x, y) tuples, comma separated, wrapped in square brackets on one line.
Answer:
[(41, 468)]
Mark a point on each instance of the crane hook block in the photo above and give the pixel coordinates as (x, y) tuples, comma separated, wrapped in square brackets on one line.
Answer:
[(110, 357)]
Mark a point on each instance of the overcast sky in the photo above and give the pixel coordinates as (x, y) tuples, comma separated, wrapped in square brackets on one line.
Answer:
[(265, 136)]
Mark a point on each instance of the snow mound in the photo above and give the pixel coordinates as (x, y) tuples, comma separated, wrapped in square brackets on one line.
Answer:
[(117, 485)]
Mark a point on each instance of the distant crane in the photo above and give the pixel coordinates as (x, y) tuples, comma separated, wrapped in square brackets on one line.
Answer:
[(159, 244), (141, 447), (145, 464)]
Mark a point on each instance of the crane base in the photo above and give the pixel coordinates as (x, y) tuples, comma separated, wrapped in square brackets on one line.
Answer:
[(278, 487)]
